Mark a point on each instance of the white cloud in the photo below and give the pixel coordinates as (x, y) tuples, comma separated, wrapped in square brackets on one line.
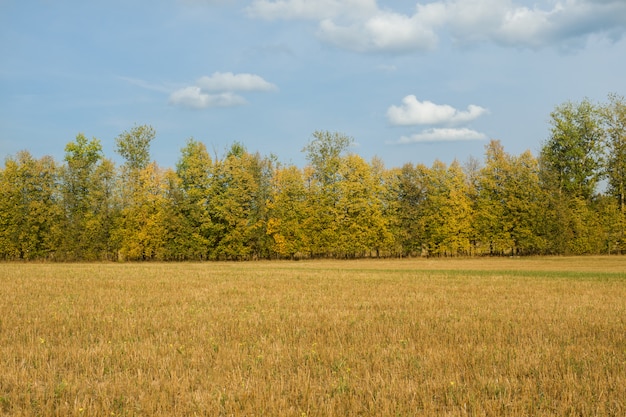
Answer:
[(218, 90), (227, 81), (383, 32), (310, 9), (363, 26), (193, 97), (442, 135), (415, 112)]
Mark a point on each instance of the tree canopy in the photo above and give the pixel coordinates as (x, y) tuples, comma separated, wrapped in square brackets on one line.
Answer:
[(570, 199)]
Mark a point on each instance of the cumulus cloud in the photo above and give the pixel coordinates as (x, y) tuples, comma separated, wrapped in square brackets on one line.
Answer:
[(415, 112), (442, 135), (363, 26), (227, 81), (383, 32), (193, 97), (218, 90)]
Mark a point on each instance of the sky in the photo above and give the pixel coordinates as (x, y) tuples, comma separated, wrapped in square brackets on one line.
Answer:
[(410, 81)]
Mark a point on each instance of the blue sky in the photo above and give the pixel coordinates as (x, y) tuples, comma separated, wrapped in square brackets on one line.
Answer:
[(410, 81)]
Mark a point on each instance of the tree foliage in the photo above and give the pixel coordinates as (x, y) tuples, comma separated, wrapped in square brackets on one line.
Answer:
[(243, 205)]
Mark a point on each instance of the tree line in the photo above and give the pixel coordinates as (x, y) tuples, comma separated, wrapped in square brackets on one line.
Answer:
[(570, 199)]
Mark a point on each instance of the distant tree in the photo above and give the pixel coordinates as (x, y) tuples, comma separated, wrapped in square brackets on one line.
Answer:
[(571, 157), (614, 120), (237, 206), (134, 146), (30, 210), (189, 201), (141, 232), (511, 207), (87, 200), (324, 153), (447, 212), (289, 213), (361, 226), (411, 190)]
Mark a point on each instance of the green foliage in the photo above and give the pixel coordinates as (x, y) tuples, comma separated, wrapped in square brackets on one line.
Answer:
[(87, 185), (134, 146), (510, 203), (246, 206), (572, 154), (30, 216), (614, 119)]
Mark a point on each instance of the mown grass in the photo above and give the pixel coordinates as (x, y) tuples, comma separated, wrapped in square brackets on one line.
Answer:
[(540, 336)]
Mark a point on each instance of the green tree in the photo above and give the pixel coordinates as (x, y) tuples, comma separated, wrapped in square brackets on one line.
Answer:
[(30, 210), (87, 200), (134, 146), (410, 190), (614, 119), (324, 153), (140, 232), (239, 191), (511, 209), (189, 202), (571, 157)]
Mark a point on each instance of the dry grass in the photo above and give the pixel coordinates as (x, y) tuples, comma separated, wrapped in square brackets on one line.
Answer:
[(410, 337)]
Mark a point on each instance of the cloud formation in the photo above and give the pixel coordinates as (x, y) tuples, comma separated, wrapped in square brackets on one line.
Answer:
[(442, 135), (227, 81), (415, 112), (193, 97), (218, 90), (363, 26)]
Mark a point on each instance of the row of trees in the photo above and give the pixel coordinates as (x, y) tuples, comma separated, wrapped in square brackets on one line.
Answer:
[(568, 200)]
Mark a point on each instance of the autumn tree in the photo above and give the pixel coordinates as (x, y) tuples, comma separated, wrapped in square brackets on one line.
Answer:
[(361, 226), (189, 194), (140, 232), (411, 191), (324, 153), (447, 214), (88, 200), (510, 208), (614, 120), (239, 190), (289, 213), (30, 210)]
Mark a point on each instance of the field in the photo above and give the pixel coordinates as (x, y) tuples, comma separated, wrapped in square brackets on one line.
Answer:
[(537, 336)]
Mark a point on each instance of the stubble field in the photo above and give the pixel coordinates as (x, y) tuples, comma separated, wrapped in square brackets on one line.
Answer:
[(537, 336)]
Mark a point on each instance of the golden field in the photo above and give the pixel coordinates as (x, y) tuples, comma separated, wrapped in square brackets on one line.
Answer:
[(529, 336)]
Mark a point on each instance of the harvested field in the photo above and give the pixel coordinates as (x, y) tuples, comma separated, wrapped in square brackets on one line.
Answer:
[(527, 336)]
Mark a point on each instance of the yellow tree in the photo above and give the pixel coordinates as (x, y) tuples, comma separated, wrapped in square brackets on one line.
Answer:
[(361, 226), (240, 187), (448, 212), (141, 230), (30, 210), (324, 153), (288, 213), (140, 233)]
